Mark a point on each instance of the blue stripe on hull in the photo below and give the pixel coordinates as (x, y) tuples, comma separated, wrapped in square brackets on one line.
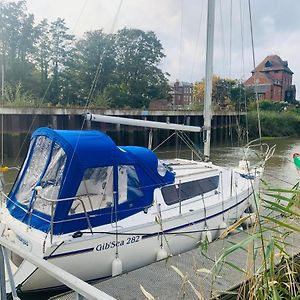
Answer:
[(146, 236)]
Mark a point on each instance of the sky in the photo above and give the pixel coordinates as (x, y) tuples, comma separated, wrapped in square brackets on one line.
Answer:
[(180, 25)]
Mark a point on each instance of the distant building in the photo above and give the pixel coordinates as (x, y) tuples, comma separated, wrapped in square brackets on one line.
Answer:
[(160, 104), (181, 93), (273, 79)]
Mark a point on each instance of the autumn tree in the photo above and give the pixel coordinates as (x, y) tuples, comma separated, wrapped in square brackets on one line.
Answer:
[(224, 92)]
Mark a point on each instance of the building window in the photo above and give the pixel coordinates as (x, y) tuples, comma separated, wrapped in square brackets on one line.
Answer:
[(268, 64)]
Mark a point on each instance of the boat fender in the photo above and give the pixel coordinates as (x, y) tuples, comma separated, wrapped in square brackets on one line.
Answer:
[(250, 220), (244, 165), (11, 235), (206, 235), (117, 267), (161, 254)]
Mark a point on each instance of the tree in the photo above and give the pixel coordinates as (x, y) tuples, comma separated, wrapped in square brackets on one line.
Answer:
[(18, 37), (224, 91), (92, 66), (42, 55), (60, 49), (138, 54)]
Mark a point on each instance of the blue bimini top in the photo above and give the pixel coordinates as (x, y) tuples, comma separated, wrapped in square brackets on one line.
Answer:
[(82, 178)]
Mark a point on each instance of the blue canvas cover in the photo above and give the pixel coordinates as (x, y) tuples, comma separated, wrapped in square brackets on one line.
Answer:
[(61, 159)]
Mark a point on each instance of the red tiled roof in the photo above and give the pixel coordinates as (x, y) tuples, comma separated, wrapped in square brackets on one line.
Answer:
[(276, 63)]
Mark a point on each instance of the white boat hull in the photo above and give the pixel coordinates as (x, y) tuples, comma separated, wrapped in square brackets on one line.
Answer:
[(140, 237)]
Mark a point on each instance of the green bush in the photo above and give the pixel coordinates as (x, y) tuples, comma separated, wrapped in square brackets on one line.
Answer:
[(286, 123)]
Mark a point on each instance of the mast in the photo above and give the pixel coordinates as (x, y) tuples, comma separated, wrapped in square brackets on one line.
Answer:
[(208, 76)]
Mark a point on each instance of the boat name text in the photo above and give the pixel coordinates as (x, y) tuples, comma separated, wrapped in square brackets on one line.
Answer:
[(113, 244)]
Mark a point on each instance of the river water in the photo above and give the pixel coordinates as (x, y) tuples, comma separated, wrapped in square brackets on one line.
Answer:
[(280, 171)]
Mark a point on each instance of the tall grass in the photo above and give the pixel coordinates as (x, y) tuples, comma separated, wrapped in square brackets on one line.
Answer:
[(275, 124), (271, 271), (276, 275)]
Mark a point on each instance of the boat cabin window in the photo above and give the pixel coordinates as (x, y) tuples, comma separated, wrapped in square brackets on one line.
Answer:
[(95, 190), (180, 192), (52, 180), (128, 183), (32, 169)]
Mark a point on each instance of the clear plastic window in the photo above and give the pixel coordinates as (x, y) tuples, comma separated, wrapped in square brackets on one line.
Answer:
[(23, 167), (128, 184), (52, 180), (95, 190), (34, 170), (161, 168)]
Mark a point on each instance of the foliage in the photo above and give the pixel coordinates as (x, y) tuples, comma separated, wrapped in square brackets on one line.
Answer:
[(50, 64), (286, 123), (100, 101), (17, 95), (225, 91), (276, 275), (18, 37), (138, 54), (269, 105)]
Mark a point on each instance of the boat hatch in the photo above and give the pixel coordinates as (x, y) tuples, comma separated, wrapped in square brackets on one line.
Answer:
[(72, 180)]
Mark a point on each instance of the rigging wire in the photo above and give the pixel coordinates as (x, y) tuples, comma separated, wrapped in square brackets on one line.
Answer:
[(223, 37), (180, 40), (196, 51), (254, 65), (243, 69), (2, 94), (230, 39), (93, 87), (2, 108)]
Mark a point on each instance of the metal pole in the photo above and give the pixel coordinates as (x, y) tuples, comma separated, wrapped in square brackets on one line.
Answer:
[(2, 117), (2, 275), (208, 77), (10, 275), (79, 297), (179, 197)]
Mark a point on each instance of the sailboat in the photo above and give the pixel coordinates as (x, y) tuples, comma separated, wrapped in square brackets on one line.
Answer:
[(99, 210)]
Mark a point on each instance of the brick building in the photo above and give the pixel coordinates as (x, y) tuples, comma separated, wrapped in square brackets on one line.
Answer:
[(181, 93), (273, 78)]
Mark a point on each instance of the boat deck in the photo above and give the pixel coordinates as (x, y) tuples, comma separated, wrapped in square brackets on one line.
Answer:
[(164, 283), (185, 168)]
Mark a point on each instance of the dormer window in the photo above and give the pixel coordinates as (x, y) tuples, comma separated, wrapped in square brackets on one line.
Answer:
[(268, 64)]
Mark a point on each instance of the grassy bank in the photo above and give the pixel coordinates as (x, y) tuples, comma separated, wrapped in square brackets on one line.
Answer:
[(275, 124)]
